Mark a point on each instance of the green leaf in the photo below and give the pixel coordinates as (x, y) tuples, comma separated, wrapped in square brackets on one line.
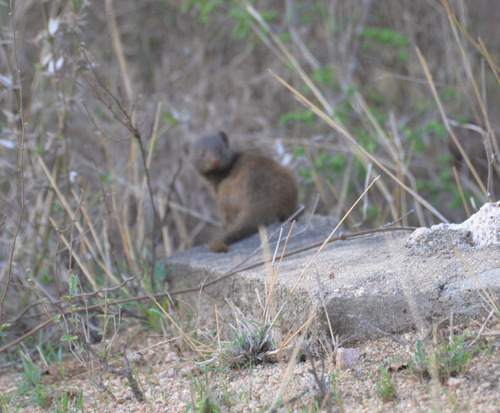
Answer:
[(73, 283), (385, 36), (298, 151), (106, 177), (308, 117), (68, 337), (306, 173)]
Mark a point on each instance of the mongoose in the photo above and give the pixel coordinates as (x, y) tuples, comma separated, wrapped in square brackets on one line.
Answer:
[(250, 190)]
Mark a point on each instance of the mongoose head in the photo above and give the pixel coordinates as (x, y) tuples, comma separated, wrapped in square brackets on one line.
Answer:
[(210, 153)]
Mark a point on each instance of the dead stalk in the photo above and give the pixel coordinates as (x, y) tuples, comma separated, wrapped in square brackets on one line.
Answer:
[(21, 163)]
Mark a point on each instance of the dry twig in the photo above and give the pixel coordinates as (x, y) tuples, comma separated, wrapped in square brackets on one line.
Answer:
[(127, 373)]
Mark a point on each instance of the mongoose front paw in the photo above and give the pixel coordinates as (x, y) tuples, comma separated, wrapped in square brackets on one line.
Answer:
[(219, 246)]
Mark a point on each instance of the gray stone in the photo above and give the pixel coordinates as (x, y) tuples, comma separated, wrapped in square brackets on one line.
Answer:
[(380, 278), (347, 358)]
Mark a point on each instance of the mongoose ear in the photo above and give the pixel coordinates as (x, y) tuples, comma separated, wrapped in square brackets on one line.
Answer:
[(186, 147), (224, 137)]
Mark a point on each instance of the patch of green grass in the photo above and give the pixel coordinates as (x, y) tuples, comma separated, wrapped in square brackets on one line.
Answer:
[(308, 117), (384, 37), (324, 76), (450, 358), (160, 274), (68, 401), (31, 388), (202, 395), (327, 165), (385, 386), (422, 135), (333, 380), (249, 341), (203, 8)]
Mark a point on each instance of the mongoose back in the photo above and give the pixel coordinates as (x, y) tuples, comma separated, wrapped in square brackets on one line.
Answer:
[(250, 190)]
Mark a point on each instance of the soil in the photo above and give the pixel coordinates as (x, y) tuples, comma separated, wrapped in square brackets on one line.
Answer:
[(171, 379)]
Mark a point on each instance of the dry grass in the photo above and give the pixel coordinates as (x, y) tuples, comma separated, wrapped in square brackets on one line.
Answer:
[(97, 99)]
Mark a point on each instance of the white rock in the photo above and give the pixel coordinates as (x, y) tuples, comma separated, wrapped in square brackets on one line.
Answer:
[(484, 225)]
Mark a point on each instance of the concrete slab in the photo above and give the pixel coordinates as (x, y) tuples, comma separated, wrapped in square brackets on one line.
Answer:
[(392, 280)]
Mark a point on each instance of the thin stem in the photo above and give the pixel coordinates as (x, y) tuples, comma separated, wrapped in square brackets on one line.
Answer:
[(21, 162)]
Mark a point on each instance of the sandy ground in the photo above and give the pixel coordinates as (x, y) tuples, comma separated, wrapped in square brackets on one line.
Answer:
[(171, 380)]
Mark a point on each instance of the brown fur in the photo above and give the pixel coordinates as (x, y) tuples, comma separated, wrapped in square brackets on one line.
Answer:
[(251, 190)]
